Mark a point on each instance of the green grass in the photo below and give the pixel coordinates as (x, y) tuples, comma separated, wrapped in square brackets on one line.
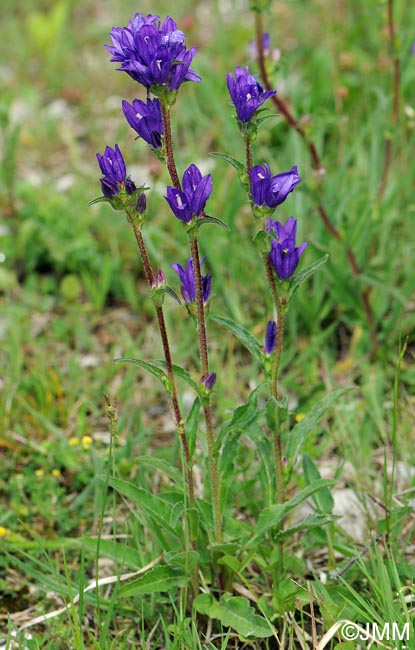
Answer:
[(74, 298)]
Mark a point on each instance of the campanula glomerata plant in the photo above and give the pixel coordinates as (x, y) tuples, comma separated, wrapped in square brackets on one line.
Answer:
[(206, 528)]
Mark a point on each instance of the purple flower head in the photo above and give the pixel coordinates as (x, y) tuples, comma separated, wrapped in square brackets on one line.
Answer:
[(270, 337), (284, 255), (187, 278), (208, 381), (272, 190), (191, 200), (114, 172), (246, 93), (145, 119), (153, 54)]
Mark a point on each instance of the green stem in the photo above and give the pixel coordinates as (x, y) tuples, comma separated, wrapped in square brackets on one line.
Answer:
[(167, 356), (201, 328)]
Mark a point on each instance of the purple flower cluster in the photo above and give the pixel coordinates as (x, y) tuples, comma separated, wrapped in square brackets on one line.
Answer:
[(187, 278), (145, 119), (153, 54), (284, 255), (246, 93), (191, 200), (269, 190), (114, 178)]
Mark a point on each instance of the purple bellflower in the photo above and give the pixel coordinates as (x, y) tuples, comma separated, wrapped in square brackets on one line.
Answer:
[(145, 119), (190, 202), (270, 337), (114, 178), (187, 278), (272, 190), (246, 93), (284, 255), (153, 54)]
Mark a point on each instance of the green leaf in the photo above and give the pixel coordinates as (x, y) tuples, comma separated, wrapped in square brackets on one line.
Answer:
[(125, 555), (182, 373), (237, 164), (267, 475), (273, 516), (311, 521), (181, 560), (323, 499), (243, 416), (160, 578), (241, 333), (146, 365), (162, 465), (234, 612), (152, 505), (298, 278), (192, 426), (301, 430)]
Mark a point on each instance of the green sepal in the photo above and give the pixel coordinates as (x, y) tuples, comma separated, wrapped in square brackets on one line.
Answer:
[(165, 94), (100, 199), (157, 295), (207, 219), (262, 241), (172, 293), (300, 277)]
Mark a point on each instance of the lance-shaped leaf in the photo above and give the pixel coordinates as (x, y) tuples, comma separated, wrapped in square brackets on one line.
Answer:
[(273, 516), (241, 333), (151, 368), (300, 277), (237, 164), (301, 430), (160, 578)]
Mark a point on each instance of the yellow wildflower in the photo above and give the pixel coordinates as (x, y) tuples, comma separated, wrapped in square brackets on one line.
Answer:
[(86, 442)]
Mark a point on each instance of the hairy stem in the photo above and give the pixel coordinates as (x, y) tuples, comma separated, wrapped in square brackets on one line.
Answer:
[(167, 356), (317, 165), (201, 329), (274, 374)]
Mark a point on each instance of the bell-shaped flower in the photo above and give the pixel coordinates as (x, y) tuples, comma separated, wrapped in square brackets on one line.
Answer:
[(191, 200), (145, 119), (270, 190), (246, 93), (114, 172), (187, 277), (284, 255), (270, 337)]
